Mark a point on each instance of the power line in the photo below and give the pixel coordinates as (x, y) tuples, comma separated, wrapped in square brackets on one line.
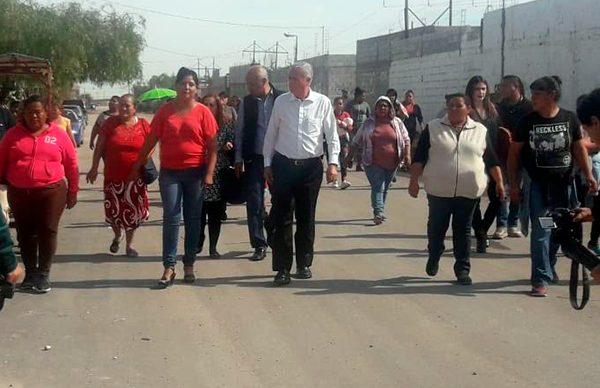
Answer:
[(221, 22)]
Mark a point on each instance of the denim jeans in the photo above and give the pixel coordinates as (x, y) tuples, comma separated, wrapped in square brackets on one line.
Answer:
[(461, 211), (380, 180), (255, 203), (544, 197), (508, 216), (177, 187)]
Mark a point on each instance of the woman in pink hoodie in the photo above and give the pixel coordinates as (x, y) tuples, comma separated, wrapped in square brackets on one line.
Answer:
[(35, 157)]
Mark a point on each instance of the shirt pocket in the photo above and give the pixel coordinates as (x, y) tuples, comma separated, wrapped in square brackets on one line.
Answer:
[(314, 125)]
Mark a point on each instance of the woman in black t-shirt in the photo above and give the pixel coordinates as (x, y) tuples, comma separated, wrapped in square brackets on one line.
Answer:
[(546, 142)]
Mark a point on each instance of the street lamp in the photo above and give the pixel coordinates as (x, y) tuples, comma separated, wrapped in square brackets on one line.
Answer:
[(296, 50)]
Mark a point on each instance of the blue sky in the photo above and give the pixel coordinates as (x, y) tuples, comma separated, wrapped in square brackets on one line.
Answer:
[(174, 42)]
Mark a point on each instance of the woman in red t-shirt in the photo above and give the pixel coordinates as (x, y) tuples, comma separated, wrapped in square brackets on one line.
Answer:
[(186, 131), (126, 204)]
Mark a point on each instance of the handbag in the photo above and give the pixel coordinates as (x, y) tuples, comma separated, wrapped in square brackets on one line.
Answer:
[(149, 172), (233, 188)]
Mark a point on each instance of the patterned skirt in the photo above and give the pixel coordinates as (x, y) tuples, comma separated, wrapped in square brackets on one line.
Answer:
[(126, 204)]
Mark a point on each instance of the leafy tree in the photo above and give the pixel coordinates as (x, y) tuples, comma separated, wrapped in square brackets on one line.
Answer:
[(96, 45), (162, 81)]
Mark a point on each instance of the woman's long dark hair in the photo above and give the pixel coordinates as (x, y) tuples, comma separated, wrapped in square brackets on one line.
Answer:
[(220, 113), (488, 105)]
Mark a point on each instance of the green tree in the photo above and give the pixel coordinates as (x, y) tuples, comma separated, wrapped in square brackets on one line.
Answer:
[(96, 45), (162, 81)]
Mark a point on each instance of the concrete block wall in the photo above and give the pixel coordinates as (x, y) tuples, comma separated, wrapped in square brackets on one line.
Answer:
[(377, 58), (546, 37)]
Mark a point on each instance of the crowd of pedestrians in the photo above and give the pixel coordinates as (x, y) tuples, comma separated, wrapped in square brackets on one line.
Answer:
[(527, 157)]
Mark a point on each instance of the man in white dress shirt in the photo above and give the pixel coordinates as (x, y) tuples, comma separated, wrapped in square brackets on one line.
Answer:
[(293, 157)]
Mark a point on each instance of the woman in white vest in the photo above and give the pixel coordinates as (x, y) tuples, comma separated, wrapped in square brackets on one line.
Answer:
[(452, 156)]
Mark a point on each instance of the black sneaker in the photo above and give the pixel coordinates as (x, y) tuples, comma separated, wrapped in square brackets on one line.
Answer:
[(28, 282), (42, 285)]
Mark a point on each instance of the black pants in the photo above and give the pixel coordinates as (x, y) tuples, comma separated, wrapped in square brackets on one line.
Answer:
[(211, 214), (298, 181), (483, 223), (344, 145), (461, 211)]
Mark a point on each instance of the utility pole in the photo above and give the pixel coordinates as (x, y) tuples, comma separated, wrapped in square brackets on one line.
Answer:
[(296, 48), (406, 19), (450, 9), (323, 38), (198, 72), (502, 48)]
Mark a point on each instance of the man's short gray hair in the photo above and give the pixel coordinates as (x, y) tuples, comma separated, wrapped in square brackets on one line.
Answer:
[(305, 67)]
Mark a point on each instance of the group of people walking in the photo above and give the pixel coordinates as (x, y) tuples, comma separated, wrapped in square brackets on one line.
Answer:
[(277, 140)]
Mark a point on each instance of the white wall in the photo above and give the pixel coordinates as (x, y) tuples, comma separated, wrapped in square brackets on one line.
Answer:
[(547, 37)]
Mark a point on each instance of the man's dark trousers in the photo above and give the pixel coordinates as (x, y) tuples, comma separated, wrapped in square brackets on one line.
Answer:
[(300, 181)]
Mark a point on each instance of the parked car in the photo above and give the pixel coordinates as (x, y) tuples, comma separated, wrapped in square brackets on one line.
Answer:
[(92, 106), (81, 105), (77, 109), (77, 125)]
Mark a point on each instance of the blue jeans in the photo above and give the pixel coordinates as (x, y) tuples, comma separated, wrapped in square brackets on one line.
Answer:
[(380, 180), (255, 202), (544, 197), (177, 187), (508, 216)]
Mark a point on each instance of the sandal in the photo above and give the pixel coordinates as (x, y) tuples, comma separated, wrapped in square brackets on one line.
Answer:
[(132, 253), (116, 245), (164, 282), (189, 276)]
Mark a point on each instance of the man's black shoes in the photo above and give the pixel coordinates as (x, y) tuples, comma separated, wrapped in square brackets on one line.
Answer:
[(303, 273), (283, 278), (259, 254)]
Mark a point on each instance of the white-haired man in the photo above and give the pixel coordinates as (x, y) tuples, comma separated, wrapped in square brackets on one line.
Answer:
[(293, 155)]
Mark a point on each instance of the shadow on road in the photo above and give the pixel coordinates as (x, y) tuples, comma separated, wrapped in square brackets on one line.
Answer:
[(102, 224), (404, 285), (99, 258)]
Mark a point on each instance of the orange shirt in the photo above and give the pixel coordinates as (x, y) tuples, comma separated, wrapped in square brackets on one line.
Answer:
[(184, 139)]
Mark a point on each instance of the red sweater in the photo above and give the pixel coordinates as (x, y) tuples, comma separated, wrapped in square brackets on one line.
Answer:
[(28, 161)]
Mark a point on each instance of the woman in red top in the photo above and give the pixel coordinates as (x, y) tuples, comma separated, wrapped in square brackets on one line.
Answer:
[(126, 204), (186, 131), (35, 157)]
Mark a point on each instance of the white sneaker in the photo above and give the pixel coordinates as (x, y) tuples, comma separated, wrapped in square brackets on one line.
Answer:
[(500, 234), (515, 232), (333, 184), (345, 185)]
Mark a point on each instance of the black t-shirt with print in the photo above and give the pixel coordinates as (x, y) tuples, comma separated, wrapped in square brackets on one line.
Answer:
[(547, 152)]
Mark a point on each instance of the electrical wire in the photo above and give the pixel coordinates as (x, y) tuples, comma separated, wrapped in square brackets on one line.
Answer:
[(220, 22)]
